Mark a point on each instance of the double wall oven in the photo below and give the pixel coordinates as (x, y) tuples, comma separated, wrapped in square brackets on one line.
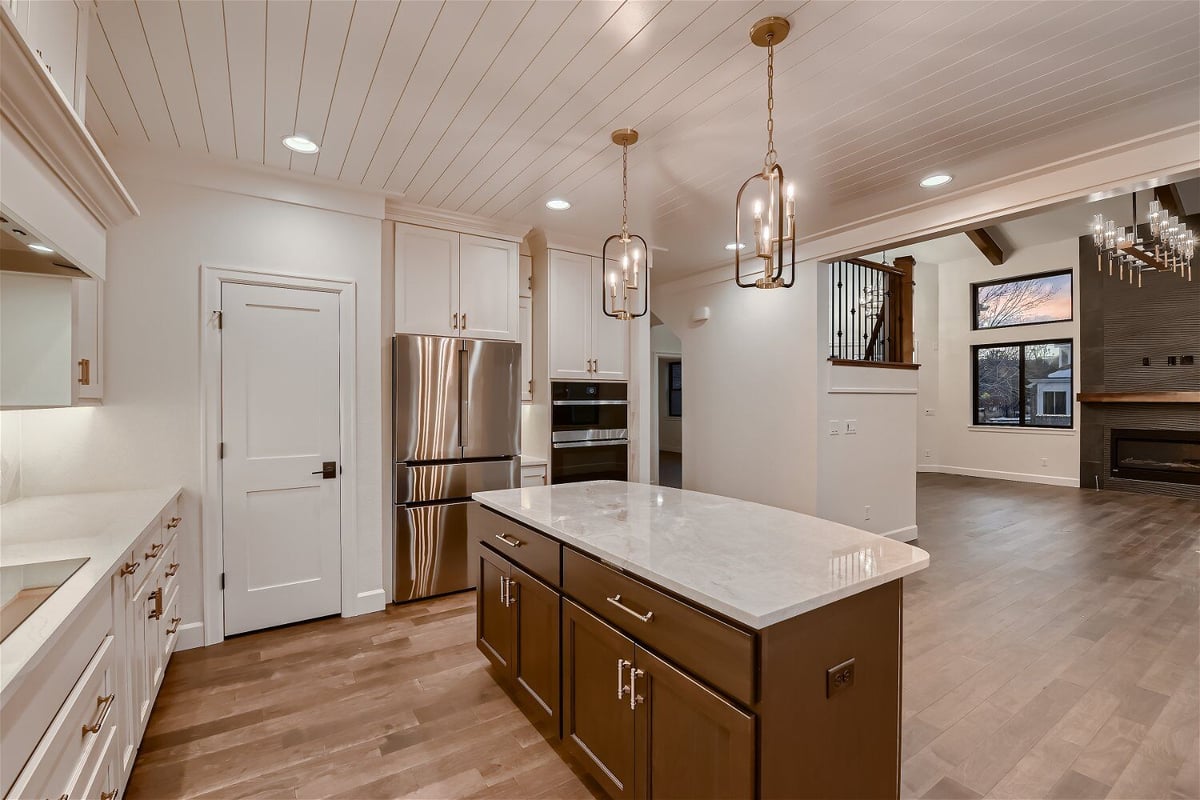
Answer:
[(589, 433)]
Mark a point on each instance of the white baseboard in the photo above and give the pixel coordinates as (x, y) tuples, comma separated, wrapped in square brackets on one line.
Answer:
[(190, 636), (368, 602), (905, 534), (1023, 477)]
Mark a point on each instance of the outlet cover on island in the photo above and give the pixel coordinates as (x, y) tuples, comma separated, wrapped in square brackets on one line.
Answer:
[(851, 426), (835, 427)]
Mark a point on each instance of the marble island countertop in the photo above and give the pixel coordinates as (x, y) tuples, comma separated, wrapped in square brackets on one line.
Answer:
[(755, 564), (98, 526)]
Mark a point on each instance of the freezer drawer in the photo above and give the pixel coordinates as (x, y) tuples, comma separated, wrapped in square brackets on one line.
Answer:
[(431, 550), (425, 482)]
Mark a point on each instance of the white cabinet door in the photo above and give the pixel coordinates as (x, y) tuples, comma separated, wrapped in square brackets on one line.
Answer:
[(52, 31), (526, 350), (427, 281), (36, 367), (571, 300), (526, 284), (87, 331), (610, 337), (488, 274)]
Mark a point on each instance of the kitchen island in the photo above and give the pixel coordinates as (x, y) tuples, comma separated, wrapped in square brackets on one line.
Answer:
[(687, 645)]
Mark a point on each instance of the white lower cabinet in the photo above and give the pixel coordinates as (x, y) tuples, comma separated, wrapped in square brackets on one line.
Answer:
[(533, 475)]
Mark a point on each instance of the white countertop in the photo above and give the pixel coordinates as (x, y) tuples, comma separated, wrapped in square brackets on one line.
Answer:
[(755, 564), (101, 526)]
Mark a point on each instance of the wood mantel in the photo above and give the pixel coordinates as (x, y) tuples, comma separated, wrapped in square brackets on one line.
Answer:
[(1138, 397)]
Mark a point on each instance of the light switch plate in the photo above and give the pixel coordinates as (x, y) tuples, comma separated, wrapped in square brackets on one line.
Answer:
[(835, 427), (851, 426)]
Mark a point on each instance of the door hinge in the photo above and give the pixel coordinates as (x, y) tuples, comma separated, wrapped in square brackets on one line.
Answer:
[(220, 318), (222, 581), (220, 450)]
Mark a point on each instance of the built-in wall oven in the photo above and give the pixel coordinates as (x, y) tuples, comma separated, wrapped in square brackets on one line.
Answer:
[(589, 433)]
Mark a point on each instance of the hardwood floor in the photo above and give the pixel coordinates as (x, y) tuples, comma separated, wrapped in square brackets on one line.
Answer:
[(1052, 649)]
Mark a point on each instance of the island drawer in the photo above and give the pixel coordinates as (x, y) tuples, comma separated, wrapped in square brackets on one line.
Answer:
[(707, 647), (540, 554)]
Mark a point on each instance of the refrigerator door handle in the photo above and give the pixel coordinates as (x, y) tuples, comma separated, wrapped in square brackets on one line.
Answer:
[(464, 391)]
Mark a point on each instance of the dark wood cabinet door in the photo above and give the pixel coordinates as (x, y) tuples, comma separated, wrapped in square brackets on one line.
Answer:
[(692, 743), (598, 723), (493, 621), (535, 666)]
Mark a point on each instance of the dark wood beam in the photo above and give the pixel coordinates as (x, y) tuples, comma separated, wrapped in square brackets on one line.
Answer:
[(987, 245), (1169, 197)]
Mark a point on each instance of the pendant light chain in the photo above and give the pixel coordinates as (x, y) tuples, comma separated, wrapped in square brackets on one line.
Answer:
[(772, 157), (625, 192)]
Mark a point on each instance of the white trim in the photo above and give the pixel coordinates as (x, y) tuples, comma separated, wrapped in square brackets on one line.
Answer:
[(190, 636), (211, 278), (414, 214), (906, 534), (1022, 477), (1022, 429), (369, 602), (869, 390)]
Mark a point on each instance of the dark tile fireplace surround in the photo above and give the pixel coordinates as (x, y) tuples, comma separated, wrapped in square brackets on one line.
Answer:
[(1135, 341)]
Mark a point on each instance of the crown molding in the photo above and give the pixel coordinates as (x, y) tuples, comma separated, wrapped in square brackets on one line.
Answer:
[(33, 106), (398, 210)]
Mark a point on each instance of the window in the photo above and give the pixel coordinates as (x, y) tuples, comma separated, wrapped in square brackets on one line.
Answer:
[(675, 389), (1025, 384), (1030, 300)]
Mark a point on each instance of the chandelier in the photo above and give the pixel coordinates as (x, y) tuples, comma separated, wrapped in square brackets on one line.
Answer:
[(777, 232), (1169, 247), (630, 255)]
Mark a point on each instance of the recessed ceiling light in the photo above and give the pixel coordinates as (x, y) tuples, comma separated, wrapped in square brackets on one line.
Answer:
[(557, 204), (736, 246), (41, 248), (936, 180), (300, 144)]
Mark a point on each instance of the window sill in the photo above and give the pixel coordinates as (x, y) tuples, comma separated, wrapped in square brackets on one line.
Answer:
[(1025, 429)]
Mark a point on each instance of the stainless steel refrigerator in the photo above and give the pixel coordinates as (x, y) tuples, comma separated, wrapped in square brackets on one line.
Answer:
[(456, 430)]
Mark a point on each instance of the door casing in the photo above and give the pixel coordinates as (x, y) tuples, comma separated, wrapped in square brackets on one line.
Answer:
[(212, 530)]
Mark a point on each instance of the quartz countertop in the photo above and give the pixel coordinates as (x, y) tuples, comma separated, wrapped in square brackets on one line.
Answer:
[(99, 526), (755, 564)]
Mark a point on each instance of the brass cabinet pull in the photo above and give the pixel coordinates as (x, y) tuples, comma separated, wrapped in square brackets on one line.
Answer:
[(454, 322), (172, 568), (157, 611), (464, 321), (616, 601), (108, 795), (85, 369), (510, 541), (174, 625), (130, 567), (155, 550), (634, 697), (174, 522), (621, 687), (595, 365), (105, 705)]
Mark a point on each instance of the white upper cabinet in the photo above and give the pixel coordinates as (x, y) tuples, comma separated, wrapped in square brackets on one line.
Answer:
[(610, 337), (87, 333), (526, 284), (450, 284), (57, 32), (488, 278), (526, 350), (570, 337)]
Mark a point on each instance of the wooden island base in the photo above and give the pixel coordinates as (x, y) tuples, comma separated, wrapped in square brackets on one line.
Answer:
[(656, 696)]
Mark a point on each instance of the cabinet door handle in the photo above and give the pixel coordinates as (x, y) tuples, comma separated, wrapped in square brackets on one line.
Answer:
[(155, 550), (174, 522), (616, 601), (634, 697), (454, 321), (108, 795), (174, 625), (105, 705), (130, 567), (172, 568), (85, 369), (621, 687), (504, 591), (510, 541), (464, 321), (157, 611), (512, 600)]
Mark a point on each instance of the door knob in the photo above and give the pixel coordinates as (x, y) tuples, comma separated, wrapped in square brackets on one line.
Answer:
[(328, 470)]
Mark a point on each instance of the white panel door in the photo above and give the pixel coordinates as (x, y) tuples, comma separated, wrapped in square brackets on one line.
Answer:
[(426, 281), (280, 420), (610, 337), (571, 294), (488, 274)]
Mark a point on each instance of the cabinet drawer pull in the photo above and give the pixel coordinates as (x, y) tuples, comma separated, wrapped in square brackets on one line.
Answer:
[(172, 568), (108, 795), (105, 705), (157, 611), (621, 687), (130, 567), (510, 541), (616, 601), (454, 321), (634, 697), (155, 550), (174, 522), (174, 625)]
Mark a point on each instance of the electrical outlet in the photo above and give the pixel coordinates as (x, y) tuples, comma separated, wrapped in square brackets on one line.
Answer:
[(835, 427), (1045, 462), (851, 426), (866, 512), (840, 678), (929, 454), (929, 412)]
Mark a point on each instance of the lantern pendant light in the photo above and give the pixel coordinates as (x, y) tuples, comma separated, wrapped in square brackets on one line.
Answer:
[(774, 238), (614, 297)]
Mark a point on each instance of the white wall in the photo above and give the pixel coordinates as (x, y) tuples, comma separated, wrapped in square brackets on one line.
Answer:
[(147, 433), (954, 444), (10, 455)]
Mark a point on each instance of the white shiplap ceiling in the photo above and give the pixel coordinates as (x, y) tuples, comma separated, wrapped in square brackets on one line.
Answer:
[(492, 108)]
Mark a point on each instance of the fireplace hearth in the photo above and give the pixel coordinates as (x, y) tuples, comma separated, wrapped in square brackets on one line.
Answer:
[(1155, 455)]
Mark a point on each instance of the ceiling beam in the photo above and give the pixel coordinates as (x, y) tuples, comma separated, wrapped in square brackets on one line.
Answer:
[(1169, 197), (987, 245)]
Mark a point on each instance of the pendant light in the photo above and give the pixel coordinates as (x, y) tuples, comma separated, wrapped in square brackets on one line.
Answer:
[(616, 303), (779, 227)]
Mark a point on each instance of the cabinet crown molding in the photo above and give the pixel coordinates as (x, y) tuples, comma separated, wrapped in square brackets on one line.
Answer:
[(415, 214), (37, 110)]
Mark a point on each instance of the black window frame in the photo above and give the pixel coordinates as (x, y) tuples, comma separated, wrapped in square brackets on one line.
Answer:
[(674, 396), (975, 287), (1021, 345)]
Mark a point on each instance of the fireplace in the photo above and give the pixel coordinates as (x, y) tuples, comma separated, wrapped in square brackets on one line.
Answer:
[(1163, 456)]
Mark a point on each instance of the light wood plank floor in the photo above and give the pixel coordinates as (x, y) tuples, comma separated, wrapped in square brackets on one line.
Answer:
[(1051, 650)]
